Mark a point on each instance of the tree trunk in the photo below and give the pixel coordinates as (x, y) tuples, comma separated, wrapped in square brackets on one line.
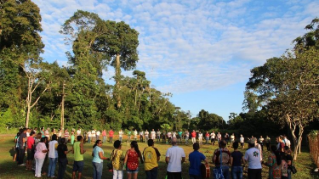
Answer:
[(28, 101), (62, 108), (117, 81)]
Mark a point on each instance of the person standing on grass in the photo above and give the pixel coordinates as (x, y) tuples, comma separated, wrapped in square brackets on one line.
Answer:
[(135, 135), (98, 133), (207, 137), (117, 160), (158, 135), (129, 134), (53, 155), (242, 141), (180, 135), (212, 138), (120, 135), (151, 157), (146, 135), (272, 161), (236, 161), (175, 156), (98, 157), (30, 150), (78, 132), (153, 134), (252, 156), (200, 138), (21, 143), (78, 151), (16, 147), (89, 134), (193, 137), (104, 135), (195, 159), (186, 137), (111, 133), (131, 160), (141, 136), (62, 159), (39, 156), (222, 153)]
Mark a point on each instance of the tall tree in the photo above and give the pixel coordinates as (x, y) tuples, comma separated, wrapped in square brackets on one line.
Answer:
[(122, 43), (20, 41)]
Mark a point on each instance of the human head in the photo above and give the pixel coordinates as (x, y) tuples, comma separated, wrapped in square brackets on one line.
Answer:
[(117, 144), (97, 143), (150, 142), (79, 138), (62, 140), (196, 146), (251, 143), (222, 144), (174, 141), (32, 133), (54, 137), (235, 145), (43, 139)]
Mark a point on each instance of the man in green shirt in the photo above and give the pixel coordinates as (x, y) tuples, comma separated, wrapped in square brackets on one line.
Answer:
[(78, 151)]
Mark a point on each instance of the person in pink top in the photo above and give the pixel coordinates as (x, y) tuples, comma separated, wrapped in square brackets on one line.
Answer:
[(39, 156), (30, 150), (111, 133), (104, 135)]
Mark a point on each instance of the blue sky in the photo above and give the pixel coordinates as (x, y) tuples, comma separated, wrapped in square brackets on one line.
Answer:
[(199, 50)]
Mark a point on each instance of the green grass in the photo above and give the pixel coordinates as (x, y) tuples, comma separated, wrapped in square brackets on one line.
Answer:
[(9, 169)]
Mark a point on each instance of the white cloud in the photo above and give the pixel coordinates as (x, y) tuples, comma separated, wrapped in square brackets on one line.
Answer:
[(193, 44)]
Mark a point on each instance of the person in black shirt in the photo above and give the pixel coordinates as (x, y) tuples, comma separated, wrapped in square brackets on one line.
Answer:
[(236, 161), (62, 159)]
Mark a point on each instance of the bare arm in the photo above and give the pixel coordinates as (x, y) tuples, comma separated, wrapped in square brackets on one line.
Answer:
[(102, 156), (167, 160), (82, 148)]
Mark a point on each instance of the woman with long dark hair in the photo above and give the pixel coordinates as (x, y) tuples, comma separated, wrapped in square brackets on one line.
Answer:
[(98, 157), (131, 160)]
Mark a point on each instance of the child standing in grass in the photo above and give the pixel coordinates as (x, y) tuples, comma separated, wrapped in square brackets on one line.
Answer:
[(117, 160)]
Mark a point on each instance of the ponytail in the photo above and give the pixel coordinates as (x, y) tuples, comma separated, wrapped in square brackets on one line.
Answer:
[(96, 142)]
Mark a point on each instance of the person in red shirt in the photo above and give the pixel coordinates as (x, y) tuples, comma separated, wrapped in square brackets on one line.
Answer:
[(207, 137), (30, 150), (193, 136), (111, 133)]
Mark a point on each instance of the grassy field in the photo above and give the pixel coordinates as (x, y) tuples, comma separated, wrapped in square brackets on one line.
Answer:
[(9, 169)]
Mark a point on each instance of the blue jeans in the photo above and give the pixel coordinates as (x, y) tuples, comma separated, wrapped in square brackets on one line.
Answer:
[(89, 139), (97, 170), (225, 170), (237, 172), (152, 174), (52, 164)]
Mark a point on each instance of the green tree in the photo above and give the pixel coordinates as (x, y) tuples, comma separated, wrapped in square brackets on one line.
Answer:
[(288, 90), (20, 43)]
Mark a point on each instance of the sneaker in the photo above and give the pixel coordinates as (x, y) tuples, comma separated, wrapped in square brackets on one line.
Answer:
[(21, 165)]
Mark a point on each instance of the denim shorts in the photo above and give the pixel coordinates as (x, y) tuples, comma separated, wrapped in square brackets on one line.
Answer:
[(78, 166), (131, 171)]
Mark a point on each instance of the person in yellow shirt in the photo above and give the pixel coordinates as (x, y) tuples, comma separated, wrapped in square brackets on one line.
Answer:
[(117, 160), (151, 157)]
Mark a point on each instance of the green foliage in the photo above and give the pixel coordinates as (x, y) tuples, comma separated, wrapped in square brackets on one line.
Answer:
[(166, 127)]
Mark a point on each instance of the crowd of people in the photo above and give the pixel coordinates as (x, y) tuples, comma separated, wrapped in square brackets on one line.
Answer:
[(45, 145)]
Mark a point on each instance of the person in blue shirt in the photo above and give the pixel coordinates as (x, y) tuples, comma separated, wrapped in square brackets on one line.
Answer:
[(195, 159)]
